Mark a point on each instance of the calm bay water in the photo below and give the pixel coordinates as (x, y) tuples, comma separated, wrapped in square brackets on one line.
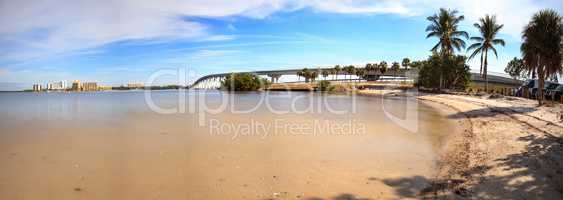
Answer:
[(260, 145)]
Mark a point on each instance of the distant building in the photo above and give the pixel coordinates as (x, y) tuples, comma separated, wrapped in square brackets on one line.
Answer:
[(36, 87), (135, 85), (90, 86), (76, 85), (61, 85), (104, 87)]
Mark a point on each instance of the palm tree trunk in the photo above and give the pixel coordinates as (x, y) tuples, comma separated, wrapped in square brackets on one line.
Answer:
[(541, 84), (485, 71), (481, 70)]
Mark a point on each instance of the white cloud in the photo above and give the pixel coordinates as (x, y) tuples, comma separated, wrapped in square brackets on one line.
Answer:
[(213, 53), (32, 29)]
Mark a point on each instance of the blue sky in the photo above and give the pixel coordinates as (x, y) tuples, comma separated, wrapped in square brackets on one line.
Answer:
[(123, 41)]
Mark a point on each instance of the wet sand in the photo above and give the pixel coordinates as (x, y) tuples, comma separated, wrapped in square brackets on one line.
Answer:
[(142, 155)]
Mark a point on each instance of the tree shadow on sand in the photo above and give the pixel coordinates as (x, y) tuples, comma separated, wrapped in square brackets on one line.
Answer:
[(491, 112), (536, 173), (344, 196)]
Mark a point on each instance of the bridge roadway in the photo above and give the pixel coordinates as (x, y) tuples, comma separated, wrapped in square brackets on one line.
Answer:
[(496, 78)]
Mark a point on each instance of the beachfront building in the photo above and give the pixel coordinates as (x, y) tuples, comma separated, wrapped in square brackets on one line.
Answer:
[(60, 85), (135, 85), (37, 87), (90, 86), (105, 87), (76, 85)]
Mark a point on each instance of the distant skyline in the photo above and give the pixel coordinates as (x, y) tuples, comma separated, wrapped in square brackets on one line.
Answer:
[(122, 41)]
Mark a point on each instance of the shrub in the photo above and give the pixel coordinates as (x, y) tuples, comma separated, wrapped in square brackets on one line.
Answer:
[(452, 70), (243, 82), (323, 85)]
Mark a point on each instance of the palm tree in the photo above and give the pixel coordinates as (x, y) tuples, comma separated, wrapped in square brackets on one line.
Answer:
[(336, 71), (382, 67), (306, 74), (325, 73), (406, 62), (313, 75), (489, 29), (541, 47), (350, 69), (444, 26), (368, 67), (360, 73), (395, 67)]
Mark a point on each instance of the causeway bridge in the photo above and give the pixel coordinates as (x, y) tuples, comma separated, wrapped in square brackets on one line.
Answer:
[(213, 81)]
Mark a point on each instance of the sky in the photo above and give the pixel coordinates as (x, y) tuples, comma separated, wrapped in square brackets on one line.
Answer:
[(124, 41)]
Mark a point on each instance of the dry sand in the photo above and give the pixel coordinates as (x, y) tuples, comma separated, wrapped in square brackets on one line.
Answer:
[(509, 149)]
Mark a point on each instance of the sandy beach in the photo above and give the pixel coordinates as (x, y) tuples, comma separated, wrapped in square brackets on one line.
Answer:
[(509, 149)]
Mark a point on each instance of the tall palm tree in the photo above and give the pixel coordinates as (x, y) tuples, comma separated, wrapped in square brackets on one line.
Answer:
[(395, 67), (489, 29), (360, 73), (350, 69), (382, 67), (444, 26), (313, 75), (406, 62), (336, 71), (325, 73), (306, 74), (541, 49)]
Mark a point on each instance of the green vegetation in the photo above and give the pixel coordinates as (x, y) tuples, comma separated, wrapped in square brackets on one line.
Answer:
[(382, 67), (516, 69), (406, 62), (350, 69), (243, 82), (325, 73), (489, 29), (453, 70), (324, 85), (337, 70), (310, 76), (541, 49), (395, 67), (444, 26)]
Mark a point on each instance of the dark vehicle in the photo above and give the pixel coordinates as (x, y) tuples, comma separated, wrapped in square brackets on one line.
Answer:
[(555, 93), (532, 85)]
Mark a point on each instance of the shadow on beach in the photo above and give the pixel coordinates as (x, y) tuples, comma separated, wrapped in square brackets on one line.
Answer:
[(538, 174), (490, 112)]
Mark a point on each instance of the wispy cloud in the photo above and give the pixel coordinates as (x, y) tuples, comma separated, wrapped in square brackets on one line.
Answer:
[(213, 53), (217, 38)]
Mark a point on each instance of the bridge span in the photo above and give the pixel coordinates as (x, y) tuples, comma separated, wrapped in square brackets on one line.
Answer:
[(213, 81)]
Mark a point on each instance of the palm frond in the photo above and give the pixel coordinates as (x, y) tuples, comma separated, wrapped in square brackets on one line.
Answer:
[(477, 51), (494, 51)]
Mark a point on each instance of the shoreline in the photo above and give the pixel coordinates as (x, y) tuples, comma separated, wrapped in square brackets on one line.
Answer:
[(504, 148)]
